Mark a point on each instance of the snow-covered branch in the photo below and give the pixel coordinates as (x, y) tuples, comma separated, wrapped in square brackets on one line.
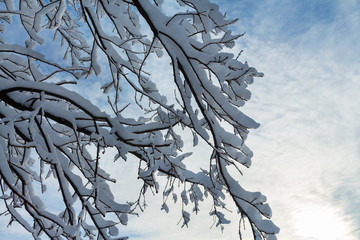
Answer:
[(47, 129)]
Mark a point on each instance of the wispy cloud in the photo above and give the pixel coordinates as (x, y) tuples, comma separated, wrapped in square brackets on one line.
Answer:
[(306, 151), (306, 148)]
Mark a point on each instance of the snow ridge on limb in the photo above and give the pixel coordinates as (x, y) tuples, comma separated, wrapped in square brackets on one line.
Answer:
[(193, 57), (66, 133)]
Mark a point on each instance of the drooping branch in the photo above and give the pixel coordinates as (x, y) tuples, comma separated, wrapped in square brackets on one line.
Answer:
[(213, 104), (66, 133)]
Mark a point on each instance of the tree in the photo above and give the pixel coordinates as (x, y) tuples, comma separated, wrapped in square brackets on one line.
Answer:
[(46, 129)]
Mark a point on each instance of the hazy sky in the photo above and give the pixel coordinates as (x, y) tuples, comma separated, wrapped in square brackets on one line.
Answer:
[(306, 151)]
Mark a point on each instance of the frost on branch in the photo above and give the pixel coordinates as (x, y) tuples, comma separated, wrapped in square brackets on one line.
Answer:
[(50, 132)]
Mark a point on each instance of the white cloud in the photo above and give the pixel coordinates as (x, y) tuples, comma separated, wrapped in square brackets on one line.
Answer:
[(306, 149)]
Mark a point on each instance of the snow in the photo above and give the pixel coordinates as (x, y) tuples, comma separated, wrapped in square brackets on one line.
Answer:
[(68, 133), (37, 25)]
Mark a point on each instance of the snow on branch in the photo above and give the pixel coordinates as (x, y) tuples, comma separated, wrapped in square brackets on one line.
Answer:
[(48, 131)]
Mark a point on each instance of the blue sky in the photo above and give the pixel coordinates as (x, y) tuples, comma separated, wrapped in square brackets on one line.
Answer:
[(307, 146), (306, 157), (306, 152)]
